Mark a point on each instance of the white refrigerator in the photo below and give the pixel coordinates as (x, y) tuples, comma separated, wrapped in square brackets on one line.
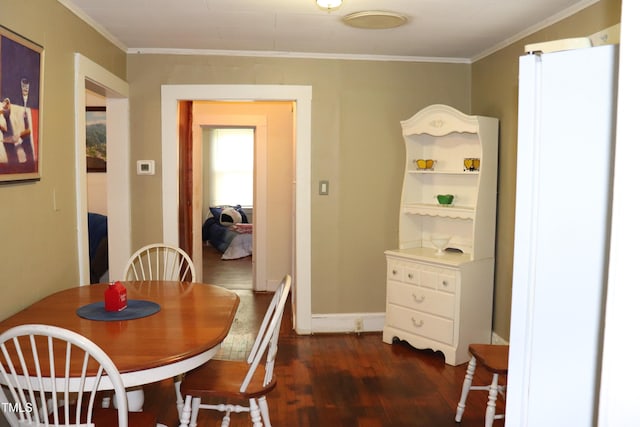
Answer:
[(566, 124)]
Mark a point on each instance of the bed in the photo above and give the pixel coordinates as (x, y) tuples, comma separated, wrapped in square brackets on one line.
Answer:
[(229, 232), (98, 247)]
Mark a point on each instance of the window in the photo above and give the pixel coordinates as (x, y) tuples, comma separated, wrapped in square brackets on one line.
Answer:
[(231, 166)]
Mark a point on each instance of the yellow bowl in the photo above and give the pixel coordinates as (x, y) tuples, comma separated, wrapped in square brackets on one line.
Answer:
[(425, 163), (471, 164)]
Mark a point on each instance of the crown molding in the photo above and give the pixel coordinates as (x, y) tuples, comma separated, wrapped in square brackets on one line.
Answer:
[(96, 26), (535, 28), (295, 55)]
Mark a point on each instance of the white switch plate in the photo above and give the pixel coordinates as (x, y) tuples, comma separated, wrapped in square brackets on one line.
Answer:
[(324, 188)]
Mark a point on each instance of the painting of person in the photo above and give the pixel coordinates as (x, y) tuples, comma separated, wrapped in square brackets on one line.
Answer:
[(19, 113)]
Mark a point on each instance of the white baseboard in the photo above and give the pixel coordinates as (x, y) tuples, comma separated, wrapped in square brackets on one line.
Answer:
[(497, 339), (361, 322), (347, 322)]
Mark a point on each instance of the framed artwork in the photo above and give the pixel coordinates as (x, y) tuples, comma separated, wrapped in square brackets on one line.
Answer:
[(96, 128), (21, 76)]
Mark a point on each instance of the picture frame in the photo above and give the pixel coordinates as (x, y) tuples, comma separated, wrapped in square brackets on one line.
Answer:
[(21, 77), (96, 138)]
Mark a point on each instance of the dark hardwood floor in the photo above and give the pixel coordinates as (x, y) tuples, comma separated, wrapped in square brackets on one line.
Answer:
[(333, 380), (336, 380), (232, 274)]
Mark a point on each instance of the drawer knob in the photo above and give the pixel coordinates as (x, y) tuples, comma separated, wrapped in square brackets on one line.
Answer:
[(416, 299), (394, 272), (445, 283), (417, 323), (410, 275)]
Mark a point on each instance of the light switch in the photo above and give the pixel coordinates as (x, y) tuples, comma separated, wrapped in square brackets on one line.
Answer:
[(324, 188)]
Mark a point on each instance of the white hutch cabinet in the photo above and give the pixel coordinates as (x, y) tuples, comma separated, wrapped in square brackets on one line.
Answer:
[(443, 301)]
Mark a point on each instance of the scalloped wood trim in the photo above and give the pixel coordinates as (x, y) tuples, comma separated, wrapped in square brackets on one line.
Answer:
[(439, 120)]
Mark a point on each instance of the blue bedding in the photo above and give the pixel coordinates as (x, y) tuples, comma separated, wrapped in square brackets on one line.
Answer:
[(97, 232), (218, 235), (98, 246)]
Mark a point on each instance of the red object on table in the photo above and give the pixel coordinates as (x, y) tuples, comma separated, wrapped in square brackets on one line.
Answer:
[(115, 297)]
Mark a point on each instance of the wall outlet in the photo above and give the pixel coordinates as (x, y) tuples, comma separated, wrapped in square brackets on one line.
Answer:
[(359, 325)]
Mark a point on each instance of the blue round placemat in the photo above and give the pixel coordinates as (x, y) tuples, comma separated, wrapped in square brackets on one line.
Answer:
[(135, 310)]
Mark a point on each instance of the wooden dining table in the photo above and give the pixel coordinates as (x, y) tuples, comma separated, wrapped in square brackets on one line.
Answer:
[(192, 321)]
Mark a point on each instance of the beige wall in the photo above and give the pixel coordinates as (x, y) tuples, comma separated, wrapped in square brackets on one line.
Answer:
[(495, 93), (38, 253), (356, 145)]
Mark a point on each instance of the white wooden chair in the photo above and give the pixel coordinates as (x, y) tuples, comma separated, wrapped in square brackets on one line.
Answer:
[(233, 379), (52, 376), (495, 359), (159, 261)]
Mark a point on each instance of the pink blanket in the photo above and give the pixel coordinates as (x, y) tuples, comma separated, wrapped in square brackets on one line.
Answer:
[(242, 228)]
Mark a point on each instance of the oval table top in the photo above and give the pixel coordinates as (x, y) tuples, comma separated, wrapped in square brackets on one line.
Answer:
[(194, 318)]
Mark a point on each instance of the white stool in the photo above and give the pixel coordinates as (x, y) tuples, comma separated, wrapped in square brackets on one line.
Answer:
[(495, 358)]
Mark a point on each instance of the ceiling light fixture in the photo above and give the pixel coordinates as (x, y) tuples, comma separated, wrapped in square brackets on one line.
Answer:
[(375, 20), (329, 5)]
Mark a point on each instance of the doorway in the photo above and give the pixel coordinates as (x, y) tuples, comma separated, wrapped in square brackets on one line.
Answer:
[(96, 140), (91, 76), (228, 188), (207, 114), (300, 96)]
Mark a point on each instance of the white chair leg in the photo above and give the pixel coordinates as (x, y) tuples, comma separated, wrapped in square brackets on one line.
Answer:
[(179, 400), (264, 410), (185, 414), (255, 413), (491, 404), (466, 386), (226, 420), (106, 401), (195, 408)]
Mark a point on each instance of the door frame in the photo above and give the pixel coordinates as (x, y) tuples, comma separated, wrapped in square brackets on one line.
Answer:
[(89, 75), (301, 96), (259, 123)]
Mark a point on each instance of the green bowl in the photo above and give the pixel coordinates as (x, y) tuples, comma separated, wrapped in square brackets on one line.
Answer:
[(445, 199)]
